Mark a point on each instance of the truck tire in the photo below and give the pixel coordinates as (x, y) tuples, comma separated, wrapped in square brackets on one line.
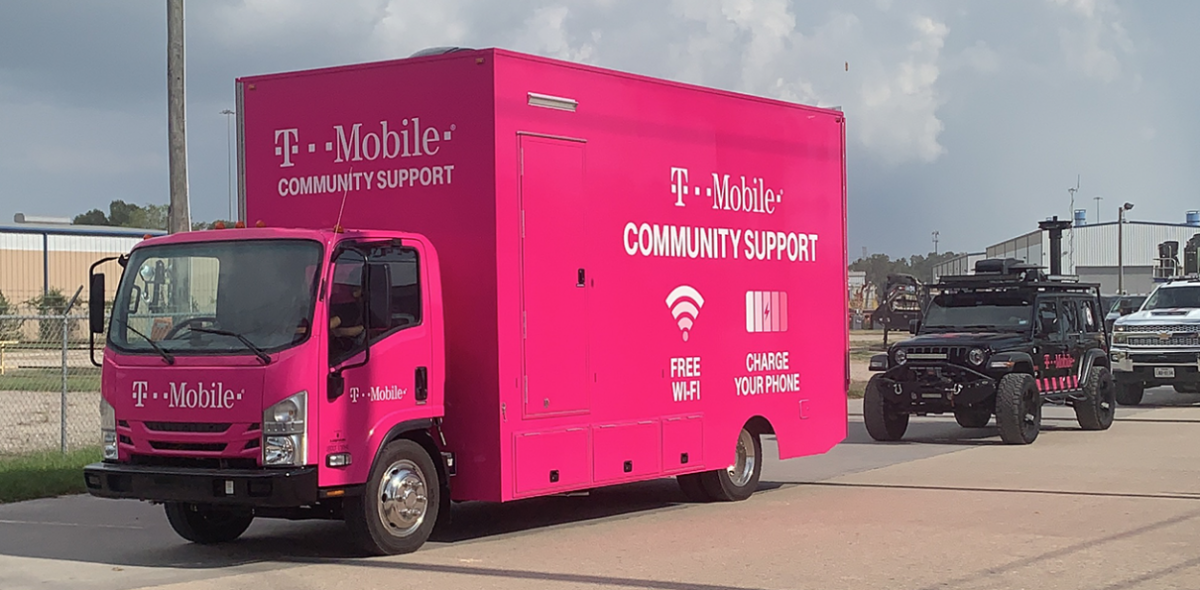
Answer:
[(1098, 410), (207, 525), (738, 481), (399, 506), (973, 417), (1130, 394), (883, 422), (1018, 409)]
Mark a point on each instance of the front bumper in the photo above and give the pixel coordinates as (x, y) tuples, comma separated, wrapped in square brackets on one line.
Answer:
[(1144, 366), (276, 488), (939, 385)]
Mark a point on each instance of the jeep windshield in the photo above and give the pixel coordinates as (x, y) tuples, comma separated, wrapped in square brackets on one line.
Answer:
[(978, 312), (241, 296), (1174, 298)]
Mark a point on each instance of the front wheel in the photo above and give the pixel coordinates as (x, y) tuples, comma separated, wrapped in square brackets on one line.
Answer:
[(1097, 411), (883, 422), (208, 525), (738, 481), (399, 507), (1018, 409)]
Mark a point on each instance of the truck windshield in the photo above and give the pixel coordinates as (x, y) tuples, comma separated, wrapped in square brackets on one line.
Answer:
[(1174, 297), (239, 295), (978, 312)]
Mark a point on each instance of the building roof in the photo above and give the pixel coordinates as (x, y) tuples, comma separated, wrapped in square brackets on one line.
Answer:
[(79, 230)]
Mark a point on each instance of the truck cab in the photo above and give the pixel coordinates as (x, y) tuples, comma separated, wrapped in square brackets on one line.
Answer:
[(257, 371)]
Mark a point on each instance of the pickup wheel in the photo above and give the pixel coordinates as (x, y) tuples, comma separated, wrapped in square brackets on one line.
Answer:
[(883, 422), (399, 507), (1097, 411), (207, 525), (1130, 394), (973, 417), (738, 481), (1018, 409)]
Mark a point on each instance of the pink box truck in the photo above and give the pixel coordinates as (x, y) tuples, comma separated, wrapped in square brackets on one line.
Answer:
[(482, 275)]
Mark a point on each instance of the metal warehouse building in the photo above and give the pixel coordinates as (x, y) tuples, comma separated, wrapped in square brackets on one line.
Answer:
[(39, 257), (1149, 250)]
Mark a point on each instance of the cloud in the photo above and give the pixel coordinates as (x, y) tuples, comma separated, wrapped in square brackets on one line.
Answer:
[(1095, 44)]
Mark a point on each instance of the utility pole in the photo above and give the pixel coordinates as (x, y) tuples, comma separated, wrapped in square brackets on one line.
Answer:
[(179, 212), (229, 157)]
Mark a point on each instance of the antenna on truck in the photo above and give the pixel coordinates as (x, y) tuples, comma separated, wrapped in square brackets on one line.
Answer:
[(337, 227)]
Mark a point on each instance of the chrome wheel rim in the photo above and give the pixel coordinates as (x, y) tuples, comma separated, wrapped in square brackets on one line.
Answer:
[(403, 501), (743, 468)]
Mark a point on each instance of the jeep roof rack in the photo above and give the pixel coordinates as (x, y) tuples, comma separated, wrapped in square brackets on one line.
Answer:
[(1008, 273)]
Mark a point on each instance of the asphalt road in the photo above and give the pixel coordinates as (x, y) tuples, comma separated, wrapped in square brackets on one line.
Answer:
[(946, 508)]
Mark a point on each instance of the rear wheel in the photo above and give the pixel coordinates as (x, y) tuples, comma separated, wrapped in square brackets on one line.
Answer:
[(206, 524), (1130, 394), (1097, 411), (883, 421), (1018, 409), (398, 509), (973, 417), (738, 481)]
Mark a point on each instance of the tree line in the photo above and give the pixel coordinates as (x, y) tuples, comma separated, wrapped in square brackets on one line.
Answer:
[(122, 214)]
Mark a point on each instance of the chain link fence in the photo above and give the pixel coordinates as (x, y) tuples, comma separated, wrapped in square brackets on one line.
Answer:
[(49, 389)]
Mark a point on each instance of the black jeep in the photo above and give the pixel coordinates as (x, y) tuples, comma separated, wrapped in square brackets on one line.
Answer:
[(1002, 342)]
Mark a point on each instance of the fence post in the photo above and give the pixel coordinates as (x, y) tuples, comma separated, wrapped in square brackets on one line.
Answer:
[(66, 330)]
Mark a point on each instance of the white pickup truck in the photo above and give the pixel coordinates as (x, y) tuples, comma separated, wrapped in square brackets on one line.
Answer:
[(1159, 344)]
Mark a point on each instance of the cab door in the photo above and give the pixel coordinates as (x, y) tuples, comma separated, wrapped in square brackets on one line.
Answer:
[(1074, 336), (388, 383), (1051, 357)]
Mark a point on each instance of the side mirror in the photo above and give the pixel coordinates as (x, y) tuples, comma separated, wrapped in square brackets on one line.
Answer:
[(96, 304), (914, 326)]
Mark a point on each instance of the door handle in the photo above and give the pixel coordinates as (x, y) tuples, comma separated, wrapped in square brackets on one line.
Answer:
[(422, 385), (581, 278)]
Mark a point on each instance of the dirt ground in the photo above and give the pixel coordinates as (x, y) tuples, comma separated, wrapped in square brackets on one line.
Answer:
[(30, 421)]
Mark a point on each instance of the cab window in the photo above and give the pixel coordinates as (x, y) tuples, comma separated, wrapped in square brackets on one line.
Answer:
[(1047, 318), (1070, 316)]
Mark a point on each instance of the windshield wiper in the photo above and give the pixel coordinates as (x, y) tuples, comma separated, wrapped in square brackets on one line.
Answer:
[(166, 356), (258, 351)]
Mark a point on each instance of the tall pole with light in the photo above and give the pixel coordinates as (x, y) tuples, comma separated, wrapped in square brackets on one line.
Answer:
[(1121, 247), (933, 266), (229, 157)]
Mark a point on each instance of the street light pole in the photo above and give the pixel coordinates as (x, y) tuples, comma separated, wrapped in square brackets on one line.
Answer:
[(229, 156), (1121, 247)]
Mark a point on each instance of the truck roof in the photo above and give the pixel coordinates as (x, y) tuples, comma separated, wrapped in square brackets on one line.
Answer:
[(325, 236)]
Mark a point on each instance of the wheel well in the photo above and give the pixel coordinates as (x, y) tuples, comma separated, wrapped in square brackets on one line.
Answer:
[(1023, 367), (1101, 360), (424, 439), (759, 426)]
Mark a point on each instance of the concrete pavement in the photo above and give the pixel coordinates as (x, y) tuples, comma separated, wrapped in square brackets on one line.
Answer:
[(946, 508)]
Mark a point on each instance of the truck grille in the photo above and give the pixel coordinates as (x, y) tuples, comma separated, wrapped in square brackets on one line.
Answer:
[(1176, 339), (1156, 328), (187, 446), (210, 427)]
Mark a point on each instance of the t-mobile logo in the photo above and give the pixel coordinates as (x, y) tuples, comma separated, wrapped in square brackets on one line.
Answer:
[(139, 394), (285, 145), (679, 184)]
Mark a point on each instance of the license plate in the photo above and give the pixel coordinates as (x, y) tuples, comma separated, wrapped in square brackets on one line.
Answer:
[(1164, 372)]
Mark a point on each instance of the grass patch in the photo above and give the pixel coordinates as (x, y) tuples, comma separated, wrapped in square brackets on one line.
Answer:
[(50, 379), (44, 475)]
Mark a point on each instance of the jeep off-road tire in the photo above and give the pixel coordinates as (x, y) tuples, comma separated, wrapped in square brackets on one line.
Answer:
[(973, 417), (883, 422), (1130, 394), (738, 481), (1018, 409), (1098, 410), (208, 525), (399, 506)]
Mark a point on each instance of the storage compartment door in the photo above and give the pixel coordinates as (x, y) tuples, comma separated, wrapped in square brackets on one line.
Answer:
[(547, 461), (553, 277)]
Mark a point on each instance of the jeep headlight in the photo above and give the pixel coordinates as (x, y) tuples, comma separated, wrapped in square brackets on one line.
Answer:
[(975, 356), (285, 440), (108, 430), (901, 356)]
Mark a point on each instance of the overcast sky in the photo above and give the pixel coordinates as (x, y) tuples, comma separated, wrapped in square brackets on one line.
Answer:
[(967, 118)]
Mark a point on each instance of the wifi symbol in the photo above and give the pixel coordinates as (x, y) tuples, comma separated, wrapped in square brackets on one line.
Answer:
[(685, 303)]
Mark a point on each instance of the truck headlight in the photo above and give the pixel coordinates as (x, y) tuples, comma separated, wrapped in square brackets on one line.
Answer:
[(108, 430), (1118, 328), (975, 356), (285, 440)]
